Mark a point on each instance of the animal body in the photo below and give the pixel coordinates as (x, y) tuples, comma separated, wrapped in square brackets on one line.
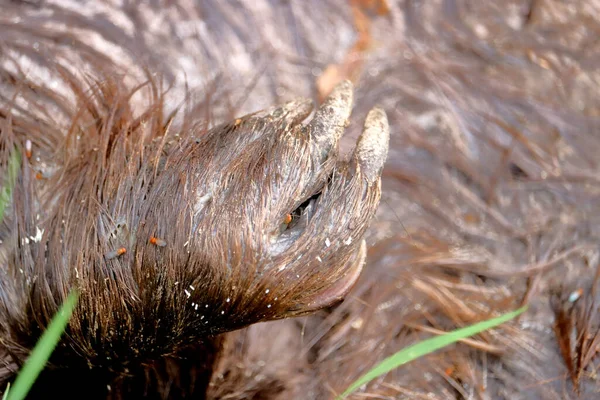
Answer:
[(195, 233)]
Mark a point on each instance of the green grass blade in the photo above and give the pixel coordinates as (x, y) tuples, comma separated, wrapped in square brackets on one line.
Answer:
[(5, 395), (42, 350), (6, 192), (427, 346)]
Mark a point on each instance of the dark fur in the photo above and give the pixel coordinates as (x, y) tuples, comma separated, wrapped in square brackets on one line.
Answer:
[(489, 198)]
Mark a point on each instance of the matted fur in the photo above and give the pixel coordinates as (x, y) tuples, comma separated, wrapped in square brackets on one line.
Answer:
[(489, 193)]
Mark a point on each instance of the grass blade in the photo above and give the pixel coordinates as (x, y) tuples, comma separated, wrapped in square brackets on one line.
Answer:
[(42, 350), (427, 346), (5, 395), (6, 192), (5, 197)]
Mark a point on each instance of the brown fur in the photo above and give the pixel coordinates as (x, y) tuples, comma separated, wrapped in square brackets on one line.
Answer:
[(488, 201)]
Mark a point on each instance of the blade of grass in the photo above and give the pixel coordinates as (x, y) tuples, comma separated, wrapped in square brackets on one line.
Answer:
[(427, 346), (42, 350), (6, 192), (5, 197), (5, 395)]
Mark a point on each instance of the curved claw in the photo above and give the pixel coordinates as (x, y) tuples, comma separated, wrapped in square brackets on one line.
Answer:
[(327, 126), (372, 147)]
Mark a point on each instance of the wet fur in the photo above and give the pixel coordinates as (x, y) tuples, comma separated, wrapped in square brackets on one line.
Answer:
[(488, 202)]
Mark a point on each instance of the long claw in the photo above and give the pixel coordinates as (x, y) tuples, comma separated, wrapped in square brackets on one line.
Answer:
[(329, 121), (372, 147)]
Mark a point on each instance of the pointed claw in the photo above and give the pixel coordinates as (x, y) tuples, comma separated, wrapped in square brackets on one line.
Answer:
[(329, 122), (372, 147)]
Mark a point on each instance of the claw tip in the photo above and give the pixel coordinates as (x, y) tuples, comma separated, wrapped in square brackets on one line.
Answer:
[(372, 147)]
